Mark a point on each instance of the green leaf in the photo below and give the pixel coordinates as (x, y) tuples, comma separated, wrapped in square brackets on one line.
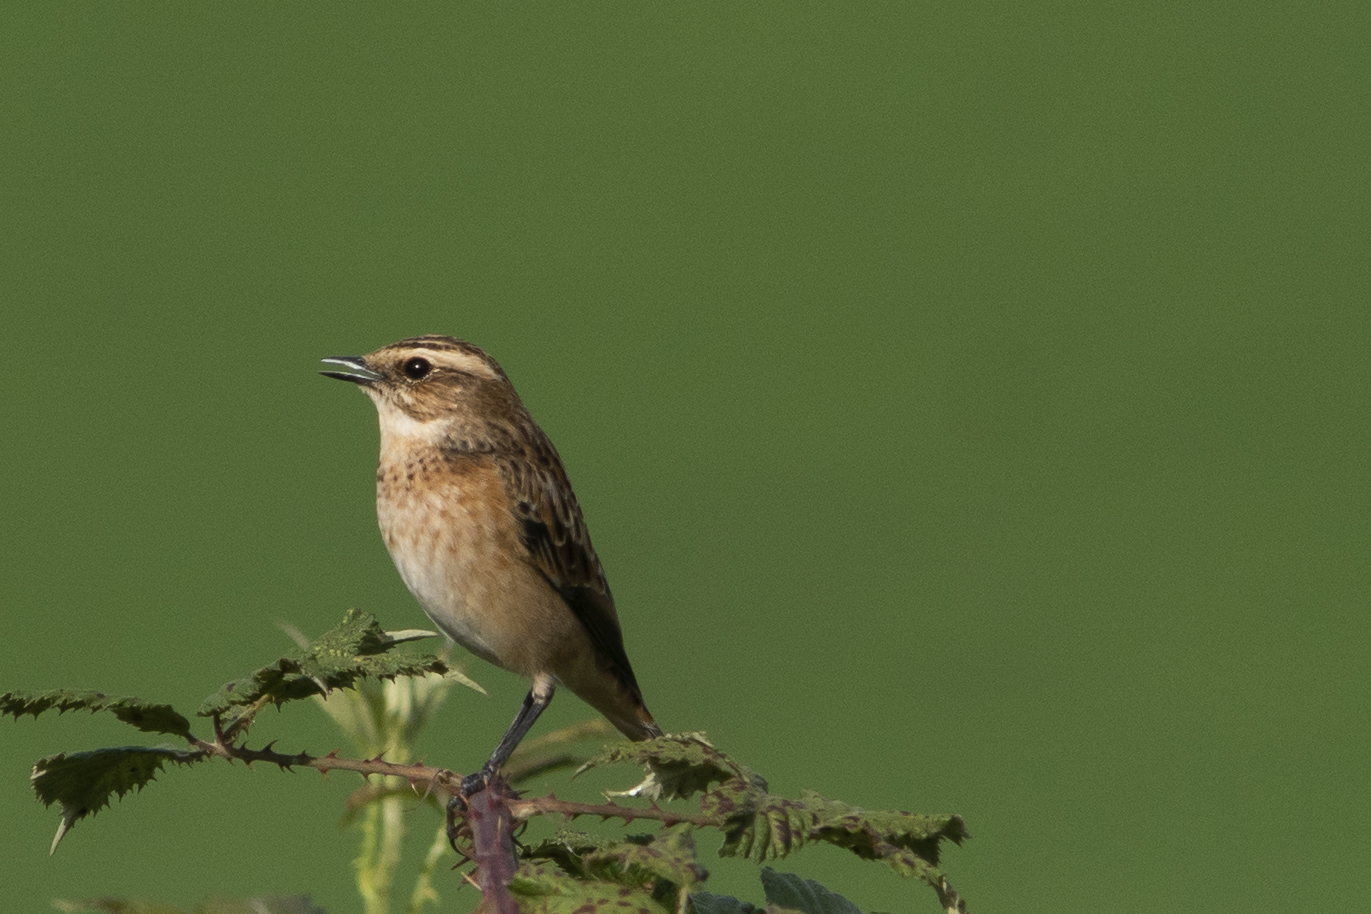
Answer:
[(568, 849), (135, 712), (681, 764), (662, 861), (356, 649), (761, 825), (771, 827), (83, 782), (753, 820), (792, 891), (546, 889), (871, 835), (668, 857)]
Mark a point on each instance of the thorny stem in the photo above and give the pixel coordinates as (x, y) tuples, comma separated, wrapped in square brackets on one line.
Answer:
[(449, 782), (426, 775), (523, 809)]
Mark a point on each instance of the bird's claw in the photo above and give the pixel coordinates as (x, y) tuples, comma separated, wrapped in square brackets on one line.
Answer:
[(457, 807), (473, 784)]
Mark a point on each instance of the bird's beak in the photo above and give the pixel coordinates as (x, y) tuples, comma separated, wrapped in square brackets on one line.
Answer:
[(356, 370)]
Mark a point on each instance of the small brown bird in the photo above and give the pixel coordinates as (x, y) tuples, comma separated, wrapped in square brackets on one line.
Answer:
[(477, 513)]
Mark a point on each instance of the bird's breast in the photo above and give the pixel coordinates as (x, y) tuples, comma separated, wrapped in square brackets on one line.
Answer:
[(450, 532)]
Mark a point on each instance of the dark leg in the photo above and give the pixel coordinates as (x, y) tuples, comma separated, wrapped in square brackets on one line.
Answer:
[(538, 698)]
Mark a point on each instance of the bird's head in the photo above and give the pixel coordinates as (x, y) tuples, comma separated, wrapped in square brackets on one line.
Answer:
[(432, 387)]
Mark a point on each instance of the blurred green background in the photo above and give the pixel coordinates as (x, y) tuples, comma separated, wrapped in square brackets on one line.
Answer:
[(969, 403)]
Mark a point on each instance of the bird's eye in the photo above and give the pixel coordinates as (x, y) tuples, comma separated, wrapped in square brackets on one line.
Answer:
[(416, 369)]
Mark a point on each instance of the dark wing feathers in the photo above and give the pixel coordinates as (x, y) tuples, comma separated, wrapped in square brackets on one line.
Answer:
[(559, 544)]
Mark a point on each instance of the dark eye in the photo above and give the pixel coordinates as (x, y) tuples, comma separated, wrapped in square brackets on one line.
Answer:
[(416, 369)]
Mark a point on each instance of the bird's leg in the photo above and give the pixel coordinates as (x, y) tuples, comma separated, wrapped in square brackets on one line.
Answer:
[(537, 699)]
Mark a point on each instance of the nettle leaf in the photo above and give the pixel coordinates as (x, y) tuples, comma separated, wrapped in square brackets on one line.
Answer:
[(755, 821), (761, 825), (871, 834), (356, 649), (770, 826), (568, 849), (791, 891), (83, 782), (681, 764), (546, 889), (669, 857), (144, 715), (664, 862)]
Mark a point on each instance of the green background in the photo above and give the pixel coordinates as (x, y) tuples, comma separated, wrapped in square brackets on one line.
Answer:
[(969, 403)]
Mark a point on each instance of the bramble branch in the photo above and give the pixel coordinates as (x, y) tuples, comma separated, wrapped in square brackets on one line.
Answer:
[(417, 774)]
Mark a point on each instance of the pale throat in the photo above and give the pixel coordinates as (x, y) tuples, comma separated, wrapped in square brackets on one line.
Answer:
[(402, 434)]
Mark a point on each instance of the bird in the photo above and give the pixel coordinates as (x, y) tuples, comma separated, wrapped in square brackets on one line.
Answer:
[(480, 519)]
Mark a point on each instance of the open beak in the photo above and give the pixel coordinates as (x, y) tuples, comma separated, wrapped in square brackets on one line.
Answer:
[(355, 370)]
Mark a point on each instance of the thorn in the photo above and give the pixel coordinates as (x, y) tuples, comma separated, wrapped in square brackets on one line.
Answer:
[(67, 821)]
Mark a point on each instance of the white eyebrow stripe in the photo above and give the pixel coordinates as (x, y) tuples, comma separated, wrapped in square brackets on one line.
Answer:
[(460, 361)]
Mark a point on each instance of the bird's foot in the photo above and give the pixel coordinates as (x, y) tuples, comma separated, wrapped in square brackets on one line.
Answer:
[(457, 807), (473, 784)]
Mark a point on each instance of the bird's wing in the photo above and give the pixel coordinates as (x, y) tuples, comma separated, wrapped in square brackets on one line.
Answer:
[(559, 547)]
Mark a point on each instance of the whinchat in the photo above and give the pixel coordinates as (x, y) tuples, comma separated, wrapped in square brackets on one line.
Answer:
[(480, 519)]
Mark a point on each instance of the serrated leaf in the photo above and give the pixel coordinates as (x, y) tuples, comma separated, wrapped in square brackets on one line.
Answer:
[(748, 810), (761, 825), (568, 849), (681, 764), (545, 889), (870, 834), (639, 860), (83, 782), (356, 649), (669, 856), (792, 891), (143, 715), (770, 826)]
